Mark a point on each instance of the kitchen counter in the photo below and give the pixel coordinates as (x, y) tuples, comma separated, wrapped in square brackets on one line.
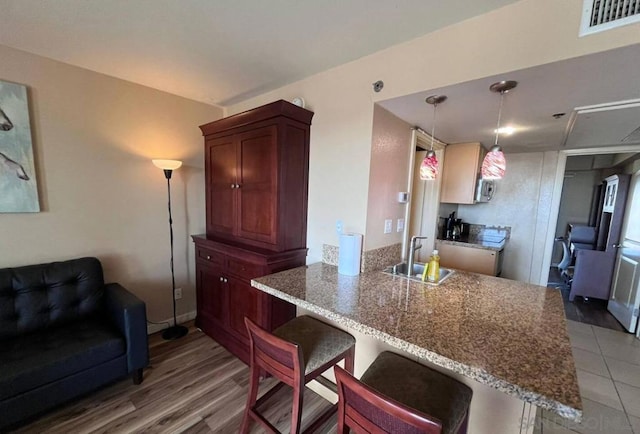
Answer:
[(505, 334), (496, 244), (481, 237)]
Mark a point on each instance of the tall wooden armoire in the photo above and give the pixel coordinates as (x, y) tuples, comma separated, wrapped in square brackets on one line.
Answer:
[(256, 184)]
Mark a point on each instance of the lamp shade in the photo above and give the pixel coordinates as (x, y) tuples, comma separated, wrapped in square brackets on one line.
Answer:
[(429, 167), (494, 164), (167, 164)]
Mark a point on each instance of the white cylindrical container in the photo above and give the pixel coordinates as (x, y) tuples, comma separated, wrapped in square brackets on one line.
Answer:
[(349, 254)]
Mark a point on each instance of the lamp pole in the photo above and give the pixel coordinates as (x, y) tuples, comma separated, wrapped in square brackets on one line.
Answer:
[(175, 331)]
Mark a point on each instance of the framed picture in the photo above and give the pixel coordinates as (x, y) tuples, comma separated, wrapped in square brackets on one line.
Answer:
[(18, 186)]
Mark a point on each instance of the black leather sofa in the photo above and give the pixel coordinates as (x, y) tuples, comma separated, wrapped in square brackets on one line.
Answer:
[(64, 333)]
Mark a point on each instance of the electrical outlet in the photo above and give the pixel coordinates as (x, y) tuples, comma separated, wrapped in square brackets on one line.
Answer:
[(387, 226), (339, 227), (178, 293), (400, 226)]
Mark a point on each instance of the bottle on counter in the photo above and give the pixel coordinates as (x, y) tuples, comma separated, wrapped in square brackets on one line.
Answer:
[(433, 273)]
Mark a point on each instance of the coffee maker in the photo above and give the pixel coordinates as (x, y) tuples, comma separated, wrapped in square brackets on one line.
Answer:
[(452, 228)]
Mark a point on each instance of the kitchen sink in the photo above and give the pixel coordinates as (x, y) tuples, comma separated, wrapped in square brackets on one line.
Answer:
[(416, 273)]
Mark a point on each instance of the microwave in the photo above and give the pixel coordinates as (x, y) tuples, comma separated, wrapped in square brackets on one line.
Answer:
[(484, 190)]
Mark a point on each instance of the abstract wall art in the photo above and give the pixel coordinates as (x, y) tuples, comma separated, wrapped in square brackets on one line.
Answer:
[(18, 186)]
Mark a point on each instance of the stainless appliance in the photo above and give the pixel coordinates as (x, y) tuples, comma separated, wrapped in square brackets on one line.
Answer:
[(484, 190)]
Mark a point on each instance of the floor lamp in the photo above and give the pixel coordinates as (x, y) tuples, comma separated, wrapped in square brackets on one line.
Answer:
[(176, 331)]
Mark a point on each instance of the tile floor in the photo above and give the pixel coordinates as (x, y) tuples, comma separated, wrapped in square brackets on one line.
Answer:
[(608, 367)]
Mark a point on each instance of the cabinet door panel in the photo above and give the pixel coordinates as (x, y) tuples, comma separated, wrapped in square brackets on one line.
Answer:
[(220, 157), (244, 300), (211, 294), (468, 259), (460, 172), (257, 154)]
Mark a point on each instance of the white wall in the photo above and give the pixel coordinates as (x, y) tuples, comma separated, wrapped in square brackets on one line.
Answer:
[(529, 33), (94, 138), (388, 175)]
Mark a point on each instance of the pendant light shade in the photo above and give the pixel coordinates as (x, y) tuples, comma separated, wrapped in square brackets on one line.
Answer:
[(494, 164), (429, 166)]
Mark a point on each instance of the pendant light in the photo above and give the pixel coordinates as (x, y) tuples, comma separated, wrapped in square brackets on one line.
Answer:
[(429, 166), (494, 163)]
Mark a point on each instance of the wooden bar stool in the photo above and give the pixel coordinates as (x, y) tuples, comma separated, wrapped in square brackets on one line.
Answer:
[(396, 395), (295, 353)]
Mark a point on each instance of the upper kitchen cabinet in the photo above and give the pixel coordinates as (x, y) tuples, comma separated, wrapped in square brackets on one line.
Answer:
[(256, 168), (462, 163)]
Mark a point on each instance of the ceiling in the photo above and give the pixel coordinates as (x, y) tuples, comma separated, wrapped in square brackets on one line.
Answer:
[(470, 113), (221, 51)]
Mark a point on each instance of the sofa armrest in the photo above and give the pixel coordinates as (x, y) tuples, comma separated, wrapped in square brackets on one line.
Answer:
[(129, 314)]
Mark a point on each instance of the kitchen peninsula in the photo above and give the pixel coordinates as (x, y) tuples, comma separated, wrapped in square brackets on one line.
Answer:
[(509, 337)]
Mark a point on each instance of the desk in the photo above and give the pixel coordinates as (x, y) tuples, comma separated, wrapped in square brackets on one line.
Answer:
[(507, 340)]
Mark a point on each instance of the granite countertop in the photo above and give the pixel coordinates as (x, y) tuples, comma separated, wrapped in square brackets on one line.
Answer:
[(507, 334), (482, 237), (496, 244)]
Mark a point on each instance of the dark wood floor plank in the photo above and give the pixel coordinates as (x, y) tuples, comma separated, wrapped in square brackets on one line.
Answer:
[(211, 370), (194, 410), (193, 386), (592, 311), (172, 394), (199, 428)]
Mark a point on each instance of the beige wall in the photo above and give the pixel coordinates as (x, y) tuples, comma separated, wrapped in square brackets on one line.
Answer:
[(388, 175), (94, 137), (528, 33), (516, 203)]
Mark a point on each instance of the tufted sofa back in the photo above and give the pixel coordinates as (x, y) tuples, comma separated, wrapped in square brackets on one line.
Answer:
[(45, 295)]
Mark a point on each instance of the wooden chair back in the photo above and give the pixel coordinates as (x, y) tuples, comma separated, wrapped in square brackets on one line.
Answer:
[(364, 410), (276, 356)]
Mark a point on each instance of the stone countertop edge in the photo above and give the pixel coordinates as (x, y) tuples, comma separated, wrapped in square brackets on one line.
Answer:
[(473, 373)]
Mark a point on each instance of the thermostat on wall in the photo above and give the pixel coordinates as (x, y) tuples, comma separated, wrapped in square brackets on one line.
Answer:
[(403, 197)]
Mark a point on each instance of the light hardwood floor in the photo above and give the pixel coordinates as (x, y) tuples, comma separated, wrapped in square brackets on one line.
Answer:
[(193, 385)]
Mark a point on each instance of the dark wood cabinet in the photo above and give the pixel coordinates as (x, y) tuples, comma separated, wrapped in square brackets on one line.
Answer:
[(225, 295), (257, 166), (256, 183)]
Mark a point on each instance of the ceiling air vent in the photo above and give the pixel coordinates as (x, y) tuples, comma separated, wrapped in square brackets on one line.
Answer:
[(599, 15)]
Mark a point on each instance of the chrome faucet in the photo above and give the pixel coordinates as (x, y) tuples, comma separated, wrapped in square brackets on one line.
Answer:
[(412, 252)]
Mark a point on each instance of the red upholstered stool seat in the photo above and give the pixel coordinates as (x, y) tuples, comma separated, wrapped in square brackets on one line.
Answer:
[(396, 394)]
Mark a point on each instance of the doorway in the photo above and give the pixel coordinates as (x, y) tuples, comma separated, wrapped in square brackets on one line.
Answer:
[(582, 224), (421, 215)]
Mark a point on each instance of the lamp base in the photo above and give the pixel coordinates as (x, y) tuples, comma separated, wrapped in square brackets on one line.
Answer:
[(174, 332)]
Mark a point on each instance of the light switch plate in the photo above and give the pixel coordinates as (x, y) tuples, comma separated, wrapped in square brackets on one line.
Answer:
[(387, 226), (400, 225)]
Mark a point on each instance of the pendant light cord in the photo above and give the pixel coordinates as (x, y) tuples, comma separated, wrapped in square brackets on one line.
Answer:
[(499, 118), (433, 125)]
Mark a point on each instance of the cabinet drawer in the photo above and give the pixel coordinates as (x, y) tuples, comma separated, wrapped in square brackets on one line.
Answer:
[(245, 270), (210, 256)]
